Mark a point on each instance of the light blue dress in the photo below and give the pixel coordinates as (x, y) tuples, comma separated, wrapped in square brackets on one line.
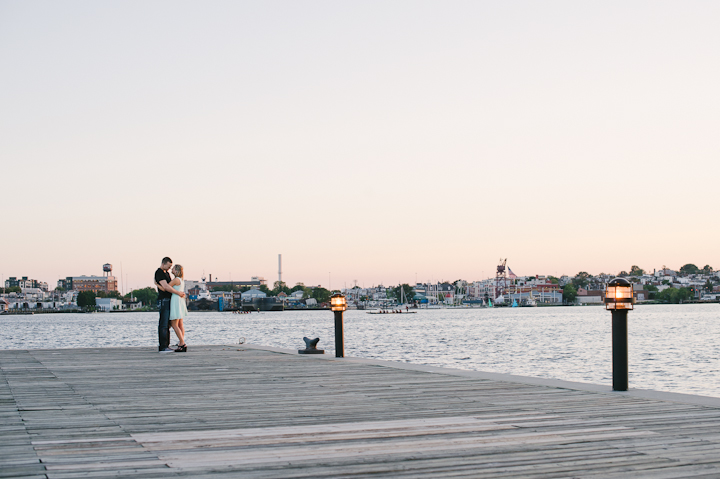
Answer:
[(178, 309)]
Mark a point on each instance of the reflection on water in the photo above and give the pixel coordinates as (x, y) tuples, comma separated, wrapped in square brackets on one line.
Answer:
[(672, 348)]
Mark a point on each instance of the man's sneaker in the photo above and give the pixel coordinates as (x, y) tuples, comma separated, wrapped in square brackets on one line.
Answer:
[(167, 350)]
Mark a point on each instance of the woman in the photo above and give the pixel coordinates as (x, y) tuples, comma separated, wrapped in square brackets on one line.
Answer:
[(178, 310)]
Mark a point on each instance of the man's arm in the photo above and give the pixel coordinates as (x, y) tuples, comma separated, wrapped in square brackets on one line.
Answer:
[(166, 287)]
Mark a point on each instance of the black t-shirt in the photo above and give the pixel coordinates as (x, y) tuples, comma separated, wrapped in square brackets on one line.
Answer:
[(159, 276)]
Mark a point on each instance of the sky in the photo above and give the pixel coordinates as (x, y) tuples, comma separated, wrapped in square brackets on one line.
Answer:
[(376, 141)]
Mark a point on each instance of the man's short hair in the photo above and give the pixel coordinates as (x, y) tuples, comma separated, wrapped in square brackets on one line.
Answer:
[(166, 260)]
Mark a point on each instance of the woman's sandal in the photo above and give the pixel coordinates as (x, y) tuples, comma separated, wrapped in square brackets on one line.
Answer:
[(182, 349)]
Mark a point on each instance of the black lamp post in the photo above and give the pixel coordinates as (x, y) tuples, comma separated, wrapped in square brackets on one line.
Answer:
[(619, 300), (338, 304)]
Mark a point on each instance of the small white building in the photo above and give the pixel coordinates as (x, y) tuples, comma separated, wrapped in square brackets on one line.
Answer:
[(108, 304), (132, 305)]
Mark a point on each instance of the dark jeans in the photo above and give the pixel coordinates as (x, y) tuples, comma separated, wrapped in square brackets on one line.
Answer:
[(164, 324)]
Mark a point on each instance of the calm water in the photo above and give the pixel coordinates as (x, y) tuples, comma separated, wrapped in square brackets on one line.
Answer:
[(672, 348)]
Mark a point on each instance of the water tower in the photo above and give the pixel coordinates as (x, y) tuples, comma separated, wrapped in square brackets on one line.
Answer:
[(107, 269)]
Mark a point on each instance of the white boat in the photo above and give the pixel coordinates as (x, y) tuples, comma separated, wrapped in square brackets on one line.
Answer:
[(204, 293), (529, 301)]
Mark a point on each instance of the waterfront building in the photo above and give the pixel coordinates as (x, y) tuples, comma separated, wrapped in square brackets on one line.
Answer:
[(35, 293), (226, 296), (108, 304), (89, 283), (251, 294), (479, 290), (25, 282), (597, 296), (193, 292), (131, 305)]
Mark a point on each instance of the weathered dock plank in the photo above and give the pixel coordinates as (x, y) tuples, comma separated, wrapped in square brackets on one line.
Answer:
[(242, 411)]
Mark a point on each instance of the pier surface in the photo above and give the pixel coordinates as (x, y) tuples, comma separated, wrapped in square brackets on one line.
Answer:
[(239, 411)]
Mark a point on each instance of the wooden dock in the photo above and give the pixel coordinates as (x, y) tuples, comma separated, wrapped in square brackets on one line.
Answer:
[(242, 411)]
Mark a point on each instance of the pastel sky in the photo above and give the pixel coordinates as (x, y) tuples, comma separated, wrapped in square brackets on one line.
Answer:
[(377, 141)]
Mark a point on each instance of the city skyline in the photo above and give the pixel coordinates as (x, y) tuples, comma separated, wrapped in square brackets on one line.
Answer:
[(126, 285), (362, 140)]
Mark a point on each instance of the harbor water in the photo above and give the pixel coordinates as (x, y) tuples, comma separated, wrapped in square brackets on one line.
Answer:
[(673, 348)]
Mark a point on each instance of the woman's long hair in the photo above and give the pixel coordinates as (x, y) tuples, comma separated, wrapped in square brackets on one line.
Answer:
[(178, 271)]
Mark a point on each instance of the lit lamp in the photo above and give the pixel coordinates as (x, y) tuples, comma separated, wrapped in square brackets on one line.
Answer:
[(619, 300), (338, 304)]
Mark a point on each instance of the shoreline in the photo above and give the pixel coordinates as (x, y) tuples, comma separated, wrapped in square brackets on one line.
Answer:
[(644, 303)]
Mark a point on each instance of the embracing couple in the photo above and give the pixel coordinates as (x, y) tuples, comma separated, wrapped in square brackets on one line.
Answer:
[(171, 304)]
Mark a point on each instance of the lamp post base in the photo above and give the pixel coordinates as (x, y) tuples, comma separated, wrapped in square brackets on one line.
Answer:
[(339, 335), (620, 350)]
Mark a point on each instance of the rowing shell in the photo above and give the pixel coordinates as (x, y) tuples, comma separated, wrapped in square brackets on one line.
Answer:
[(391, 312)]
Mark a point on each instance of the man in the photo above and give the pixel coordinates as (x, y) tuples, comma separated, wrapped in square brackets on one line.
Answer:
[(165, 292)]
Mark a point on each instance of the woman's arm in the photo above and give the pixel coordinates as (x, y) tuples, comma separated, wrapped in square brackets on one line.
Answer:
[(174, 282), (170, 289)]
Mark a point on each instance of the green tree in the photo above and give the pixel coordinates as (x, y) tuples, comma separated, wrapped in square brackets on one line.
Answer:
[(321, 294), (652, 290), (636, 270), (569, 293), (230, 288), (623, 273), (689, 269), (280, 287), (581, 279), (674, 295), (147, 296), (553, 280), (86, 299), (60, 289), (11, 289), (708, 286), (707, 269), (407, 289), (297, 287)]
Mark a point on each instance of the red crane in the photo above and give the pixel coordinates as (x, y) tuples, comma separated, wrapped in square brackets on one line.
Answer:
[(501, 278)]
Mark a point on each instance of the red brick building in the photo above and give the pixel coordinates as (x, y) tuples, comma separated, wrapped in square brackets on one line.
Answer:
[(91, 283)]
